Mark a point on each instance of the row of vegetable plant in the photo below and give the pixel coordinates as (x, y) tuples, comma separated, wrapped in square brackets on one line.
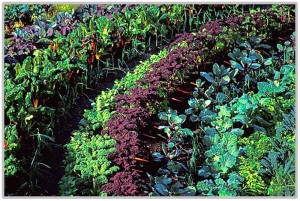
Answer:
[(225, 113), (58, 73), (85, 172), (72, 70), (124, 129)]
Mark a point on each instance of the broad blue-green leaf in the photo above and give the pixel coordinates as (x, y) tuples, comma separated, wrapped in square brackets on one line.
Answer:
[(181, 119), (157, 155), (209, 91), (204, 172), (287, 43), (189, 191), (175, 187), (173, 167), (220, 182), (237, 131), (194, 118), (224, 71), (207, 77), (163, 180), (255, 66), (168, 131), (268, 62), (161, 189), (188, 131), (233, 73), (233, 150), (240, 118), (189, 111), (221, 98), (255, 40), (236, 65), (171, 144), (225, 80), (229, 139), (259, 57), (226, 161), (280, 47), (207, 103), (163, 116), (210, 131), (264, 46), (235, 180), (224, 111), (193, 103), (246, 61), (216, 69)]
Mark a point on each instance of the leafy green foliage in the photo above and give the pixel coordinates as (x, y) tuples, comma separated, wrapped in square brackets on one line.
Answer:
[(174, 179), (87, 164), (234, 165), (172, 182), (11, 145), (103, 107), (255, 147), (221, 187)]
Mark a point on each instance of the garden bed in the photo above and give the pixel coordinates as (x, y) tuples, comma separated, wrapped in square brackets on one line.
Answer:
[(180, 123)]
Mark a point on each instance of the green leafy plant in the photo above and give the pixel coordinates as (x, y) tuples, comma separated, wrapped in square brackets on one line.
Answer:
[(255, 147), (175, 178), (221, 187), (87, 164), (11, 146)]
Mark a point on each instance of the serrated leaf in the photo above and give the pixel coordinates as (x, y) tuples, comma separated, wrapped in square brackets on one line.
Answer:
[(227, 160)]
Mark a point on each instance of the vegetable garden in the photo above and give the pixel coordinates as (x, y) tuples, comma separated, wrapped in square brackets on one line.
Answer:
[(149, 100)]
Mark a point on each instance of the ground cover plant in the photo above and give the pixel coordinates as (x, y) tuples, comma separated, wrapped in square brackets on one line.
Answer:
[(209, 112)]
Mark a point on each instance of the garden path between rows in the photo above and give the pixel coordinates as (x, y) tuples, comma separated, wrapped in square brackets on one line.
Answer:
[(64, 128)]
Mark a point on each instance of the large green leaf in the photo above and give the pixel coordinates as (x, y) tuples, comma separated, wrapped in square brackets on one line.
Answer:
[(226, 161)]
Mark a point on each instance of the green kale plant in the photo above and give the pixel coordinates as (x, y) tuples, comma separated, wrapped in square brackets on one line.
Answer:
[(87, 165)]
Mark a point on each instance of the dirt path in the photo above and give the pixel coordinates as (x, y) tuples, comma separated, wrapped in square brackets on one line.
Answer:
[(63, 130)]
